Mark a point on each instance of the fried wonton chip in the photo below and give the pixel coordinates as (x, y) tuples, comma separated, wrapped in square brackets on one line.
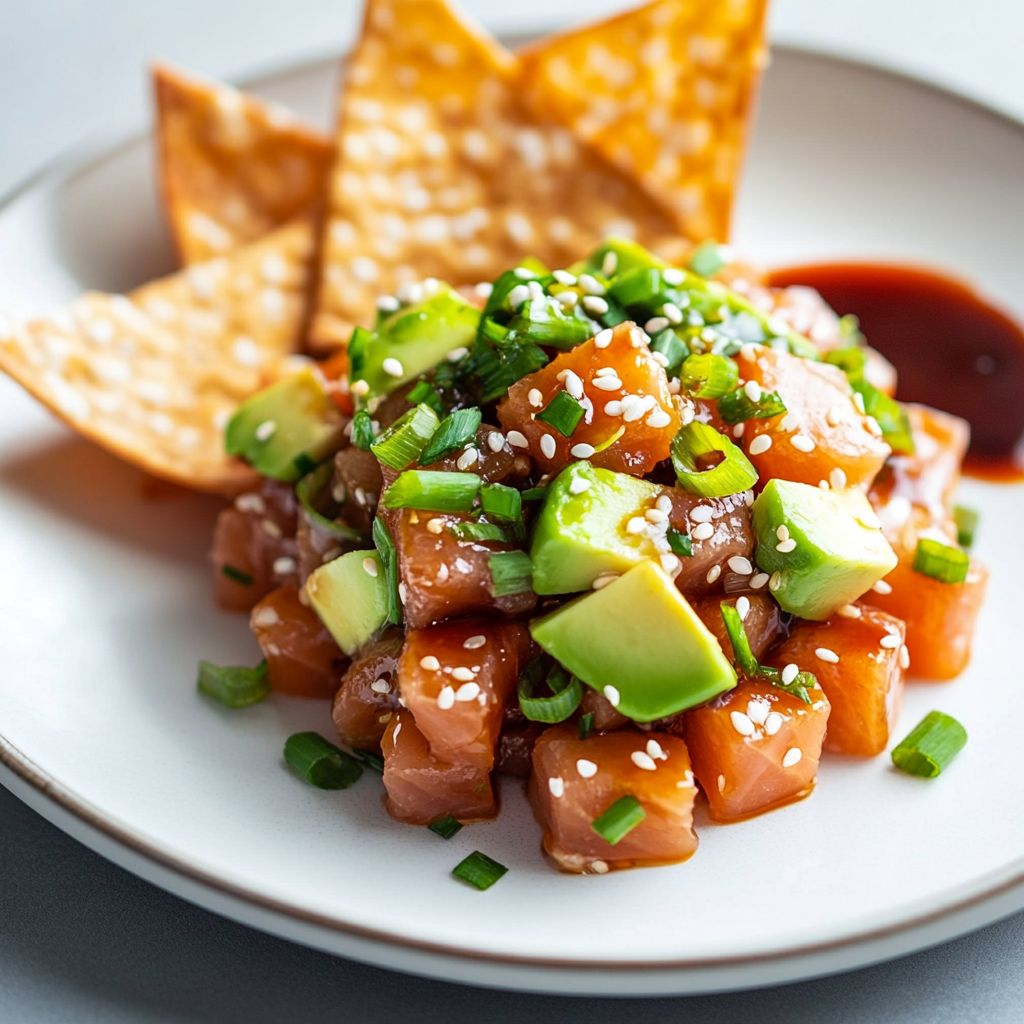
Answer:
[(442, 170), (232, 167), (154, 376), (666, 92)]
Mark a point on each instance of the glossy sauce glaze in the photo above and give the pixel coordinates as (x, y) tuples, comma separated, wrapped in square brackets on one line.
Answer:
[(953, 350)]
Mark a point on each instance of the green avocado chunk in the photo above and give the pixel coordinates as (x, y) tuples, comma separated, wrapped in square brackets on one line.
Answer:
[(351, 602), (581, 530), (283, 431), (833, 549), (639, 643), (413, 339)]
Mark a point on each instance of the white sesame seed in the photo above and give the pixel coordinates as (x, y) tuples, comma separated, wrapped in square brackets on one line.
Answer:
[(599, 867), (824, 654), (556, 786), (664, 503), (752, 390), (790, 672), (758, 580), (760, 444), (658, 419), (834, 416), (467, 691), (595, 304), (582, 450), (782, 532), (656, 324), (360, 387), (270, 528), (881, 587), (784, 547), (462, 674), (654, 750), (837, 478), (536, 292), (392, 367), (523, 274), (848, 611), (468, 458), (484, 289), (457, 353), (793, 756), (473, 642), (604, 579), (518, 295), (607, 383), (703, 531), (637, 337), (655, 515), (773, 723), (251, 503), (591, 285), (671, 564), (791, 421), (567, 299), (775, 581), (603, 338), (385, 718), (702, 514), (573, 385), (802, 443), (517, 440), (612, 696), (586, 769), (890, 641), (609, 263), (388, 303), (872, 424), (757, 710), (673, 276), (740, 565), (435, 525), (643, 760), (564, 277), (721, 783), (370, 567), (671, 312), (741, 723), (660, 358), (380, 686), (636, 525), (858, 400), (430, 663), (265, 431), (394, 735), (284, 565), (266, 617), (446, 698), (578, 485), (713, 573), (547, 446), (743, 608), (632, 408), (749, 351), (904, 657)]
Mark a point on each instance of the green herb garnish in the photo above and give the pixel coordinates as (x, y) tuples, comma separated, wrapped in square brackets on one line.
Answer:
[(930, 746)]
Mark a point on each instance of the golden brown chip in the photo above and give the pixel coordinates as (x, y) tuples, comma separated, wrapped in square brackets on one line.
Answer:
[(441, 170), (153, 376), (232, 167), (665, 92)]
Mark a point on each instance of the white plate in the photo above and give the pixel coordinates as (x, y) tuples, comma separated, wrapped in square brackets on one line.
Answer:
[(106, 607)]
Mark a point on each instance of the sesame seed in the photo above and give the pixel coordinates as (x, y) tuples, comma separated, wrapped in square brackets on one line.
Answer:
[(467, 459), (671, 312), (518, 295), (266, 617), (643, 760), (790, 672), (837, 478), (484, 289), (564, 277), (586, 769), (613, 408), (467, 692), (775, 581), (595, 304), (573, 385), (654, 750), (547, 446), (517, 440), (673, 276), (632, 408), (656, 324), (741, 723), (556, 786), (636, 525), (284, 565), (834, 416), (612, 696), (784, 547), (265, 431), (721, 783), (590, 284), (457, 353), (385, 718), (598, 866), (664, 503), (388, 303), (473, 642), (360, 387), (752, 390), (713, 573), (890, 641), (523, 274), (802, 443), (606, 371), (749, 351), (370, 567), (740, 565), (446, 698), (793, 756), (270, 528), (743, 608), (904, 657), (567, 299), (881, 587), (872, 424), (824, 654), (609, 263), (660, 358), (251, 503), (462, 674), (637, 337), (703, 531), (495, 440), (603, 338), (702, 514), (760, 444), (848, 611), (392, 367), (655, 515), (758, 580), (858, 400), (607, 383), (671, 564), (578, 485), (435, 525), (582, 450), (757, 710), (658, 419), (430, 663), (380, 686), (773, 723), (782, 532), (791, 421)]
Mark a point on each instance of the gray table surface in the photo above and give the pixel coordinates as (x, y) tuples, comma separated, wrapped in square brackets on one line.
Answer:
[(82, 940)]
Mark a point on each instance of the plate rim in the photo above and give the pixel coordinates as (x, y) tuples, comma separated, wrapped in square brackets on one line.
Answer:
[(86, 156)]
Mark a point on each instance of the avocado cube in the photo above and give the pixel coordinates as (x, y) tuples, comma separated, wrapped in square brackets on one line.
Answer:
[(581, 530), (826, 547), (350, 594), (414, 339), (283, 431), (639, 643)]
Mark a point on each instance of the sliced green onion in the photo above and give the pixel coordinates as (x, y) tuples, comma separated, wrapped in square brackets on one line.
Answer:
[(445, 827), (967, 520), (709, 258), (941, 561), (738, 638), (671, 346), (620, 819), (567, 693), (237, 575), (491, 369), (479, 870), (732, 475), (511, 573), (501, 501), (321, 763), (457, 428), (385, 546), (370, 758), (639, 287), (304, 464), (424, 392), (545, 323), (680, 543), (404, 441), (563, 412), (362, 430), (736, 406), (931, 745), (307, 490), (609, 441), (534, 494), (481, 532), (234, 686), (586, 725), (432, 491), (707, 376), (799, 687)]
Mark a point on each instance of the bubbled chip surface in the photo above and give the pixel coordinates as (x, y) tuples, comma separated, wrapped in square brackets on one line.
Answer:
[(666, 93), (232, 167), (153, 376), (443, 170)]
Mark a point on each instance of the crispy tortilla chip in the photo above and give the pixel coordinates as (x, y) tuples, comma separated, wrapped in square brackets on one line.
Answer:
[(665, 92), (232, 167), (441, 170), (154, 376)]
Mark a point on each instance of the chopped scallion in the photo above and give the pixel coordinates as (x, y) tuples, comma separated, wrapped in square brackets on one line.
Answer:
[(234, 686), (709, 258), (941, 562), (511, 573), (736, 406), (445, 827), (738, 638), (586, 725), (931, 745), (620, 819), (404, 441), (709, 376), (696, 442), (385, 546), (567, 692), (967, 520), (370, 758), (457, 429), (309, 489), (321, 763), (481, 532), (424, 392), (237, 575), (362, 430), (672, 347), (501, 501), (304, 464), (535, 494), (563, 413), (479, 870), (680, 543), (431, 491)]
